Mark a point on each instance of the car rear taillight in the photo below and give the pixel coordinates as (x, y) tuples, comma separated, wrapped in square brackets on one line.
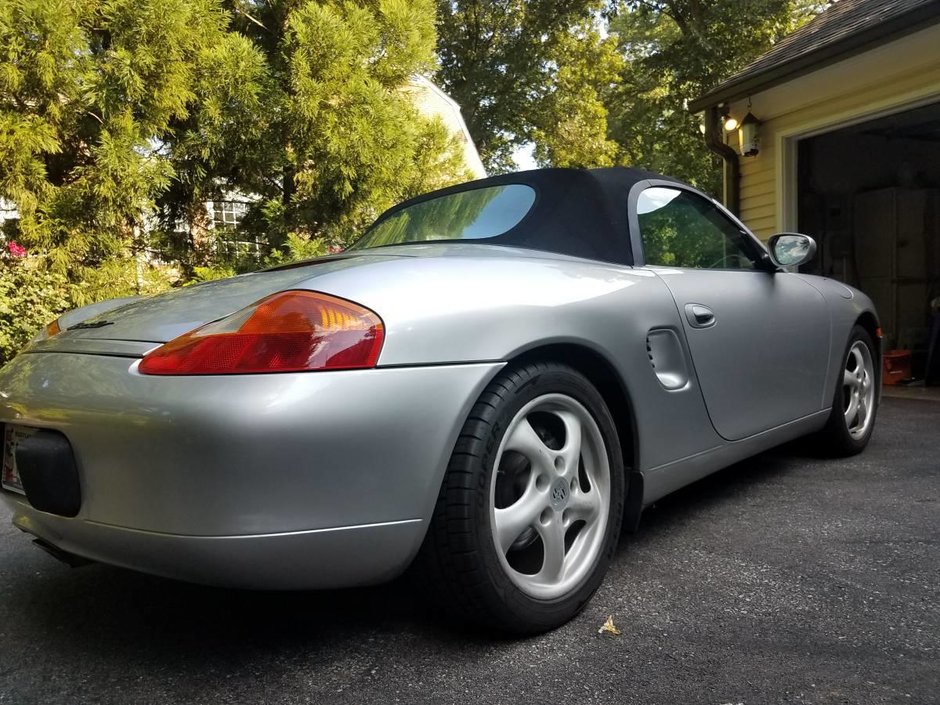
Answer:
[(50, 330), (292, 331)]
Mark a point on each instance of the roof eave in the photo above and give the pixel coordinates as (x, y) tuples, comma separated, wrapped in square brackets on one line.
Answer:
[(895, 28)]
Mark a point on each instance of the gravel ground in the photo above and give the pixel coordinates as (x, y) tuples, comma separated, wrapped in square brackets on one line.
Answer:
[(785, 579)]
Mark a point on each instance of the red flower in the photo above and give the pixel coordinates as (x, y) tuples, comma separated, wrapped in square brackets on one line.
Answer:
[(334, 249), (16, 250)]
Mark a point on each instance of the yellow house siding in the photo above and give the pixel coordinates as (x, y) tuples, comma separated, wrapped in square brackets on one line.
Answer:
[(758, 186), (889, 78), (759, 182), (766, 199), (760, 225)]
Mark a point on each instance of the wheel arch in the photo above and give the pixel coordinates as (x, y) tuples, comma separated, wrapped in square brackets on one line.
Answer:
[(602, 373), (869, 322)]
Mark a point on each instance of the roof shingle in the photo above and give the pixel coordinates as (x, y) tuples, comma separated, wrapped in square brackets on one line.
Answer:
[(844, 28)]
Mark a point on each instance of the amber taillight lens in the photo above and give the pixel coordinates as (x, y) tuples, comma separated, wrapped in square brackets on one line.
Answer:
[(292, 331)]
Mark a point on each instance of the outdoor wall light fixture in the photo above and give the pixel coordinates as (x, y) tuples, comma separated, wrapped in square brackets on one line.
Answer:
[(748, 129), (730, 123), (749, 135)]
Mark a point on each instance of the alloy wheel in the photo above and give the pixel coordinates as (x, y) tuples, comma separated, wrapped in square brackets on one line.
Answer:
[(858, 393), (550, 496)]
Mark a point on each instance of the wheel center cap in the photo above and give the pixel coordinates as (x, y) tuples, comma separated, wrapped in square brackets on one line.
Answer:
[(560, 493)]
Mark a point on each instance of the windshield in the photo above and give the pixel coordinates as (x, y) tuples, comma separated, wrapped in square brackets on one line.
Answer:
[(465, 215)]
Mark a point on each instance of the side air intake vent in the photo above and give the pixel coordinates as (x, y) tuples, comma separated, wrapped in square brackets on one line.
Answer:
[(667, 358)]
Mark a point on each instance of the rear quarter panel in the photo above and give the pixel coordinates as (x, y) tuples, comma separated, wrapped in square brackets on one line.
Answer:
[(466, 309), (846, 305)]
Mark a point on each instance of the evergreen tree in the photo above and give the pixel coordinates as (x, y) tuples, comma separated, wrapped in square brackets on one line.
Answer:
[(110, 108), (87, 89), (320, 123)]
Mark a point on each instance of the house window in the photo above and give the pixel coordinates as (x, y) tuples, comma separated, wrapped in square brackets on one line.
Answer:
[(228, 214)]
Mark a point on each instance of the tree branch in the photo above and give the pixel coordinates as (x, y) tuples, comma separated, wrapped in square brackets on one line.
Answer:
[(251, 19)]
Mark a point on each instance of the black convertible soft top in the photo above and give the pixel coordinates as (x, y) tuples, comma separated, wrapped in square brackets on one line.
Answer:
[(579, 212)]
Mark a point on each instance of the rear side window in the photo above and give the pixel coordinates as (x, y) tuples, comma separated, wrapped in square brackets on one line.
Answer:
[(465, 215), (682, 229)]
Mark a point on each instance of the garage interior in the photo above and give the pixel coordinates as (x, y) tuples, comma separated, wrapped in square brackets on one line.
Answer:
[(870, 194)]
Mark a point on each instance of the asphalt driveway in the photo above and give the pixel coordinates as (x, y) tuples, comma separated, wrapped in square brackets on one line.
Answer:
[(785, 579)]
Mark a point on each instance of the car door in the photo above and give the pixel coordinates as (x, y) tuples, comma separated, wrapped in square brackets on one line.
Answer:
[(759, 339)]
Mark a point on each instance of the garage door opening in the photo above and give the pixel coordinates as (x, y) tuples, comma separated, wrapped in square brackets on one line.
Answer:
[(870, 194)]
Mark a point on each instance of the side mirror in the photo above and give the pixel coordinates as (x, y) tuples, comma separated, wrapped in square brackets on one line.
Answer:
[(791, 249)]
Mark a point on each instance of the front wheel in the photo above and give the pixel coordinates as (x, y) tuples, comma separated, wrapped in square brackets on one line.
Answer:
[(855, 405), (529, 513)]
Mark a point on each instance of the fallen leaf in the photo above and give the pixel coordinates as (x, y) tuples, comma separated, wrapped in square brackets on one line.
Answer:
[(609, 627)]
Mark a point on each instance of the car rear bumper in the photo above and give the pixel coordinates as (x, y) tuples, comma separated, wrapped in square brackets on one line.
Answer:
[(318, 559), (300, 480)]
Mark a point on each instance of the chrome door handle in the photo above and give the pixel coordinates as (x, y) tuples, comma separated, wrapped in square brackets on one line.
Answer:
[(699, 316)]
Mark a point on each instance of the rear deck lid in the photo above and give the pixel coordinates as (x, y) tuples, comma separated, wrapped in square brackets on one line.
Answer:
[(161, 318)]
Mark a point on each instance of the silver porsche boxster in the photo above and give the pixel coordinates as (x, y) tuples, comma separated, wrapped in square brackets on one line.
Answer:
[(488, 386)]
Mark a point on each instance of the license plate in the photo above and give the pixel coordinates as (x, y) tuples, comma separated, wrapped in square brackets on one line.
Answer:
[(12, 435)]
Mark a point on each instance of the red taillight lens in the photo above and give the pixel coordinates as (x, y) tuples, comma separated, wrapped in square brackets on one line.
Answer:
[(292, 331)]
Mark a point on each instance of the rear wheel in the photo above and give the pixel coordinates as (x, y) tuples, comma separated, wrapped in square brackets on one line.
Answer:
[(855, 405), (530, 509)]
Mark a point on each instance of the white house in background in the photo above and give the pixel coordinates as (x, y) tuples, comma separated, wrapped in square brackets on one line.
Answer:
[(7, 211), (431, 101)]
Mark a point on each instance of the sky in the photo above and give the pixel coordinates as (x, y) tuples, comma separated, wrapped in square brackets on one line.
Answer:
[(524, 158)]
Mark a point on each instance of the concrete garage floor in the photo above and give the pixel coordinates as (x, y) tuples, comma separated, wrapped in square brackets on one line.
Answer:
[(912, 392), (785, 579)]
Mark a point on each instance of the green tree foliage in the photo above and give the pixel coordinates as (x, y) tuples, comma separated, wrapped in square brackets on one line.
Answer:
[(85, 88), (332, 136), (32, 293), (110, 109), (529, 70), (546, 72), (121, 276), (298, 247), (30, 297), (675, 51), (569, 122)]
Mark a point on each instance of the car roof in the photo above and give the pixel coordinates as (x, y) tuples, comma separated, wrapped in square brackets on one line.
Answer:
[(578, 212)]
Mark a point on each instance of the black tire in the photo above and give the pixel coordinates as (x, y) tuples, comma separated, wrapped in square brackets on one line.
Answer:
[(459, 562), (835, 439)]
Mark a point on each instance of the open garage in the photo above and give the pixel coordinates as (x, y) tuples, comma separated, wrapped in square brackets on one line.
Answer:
[(835, 132), (870, 194)]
